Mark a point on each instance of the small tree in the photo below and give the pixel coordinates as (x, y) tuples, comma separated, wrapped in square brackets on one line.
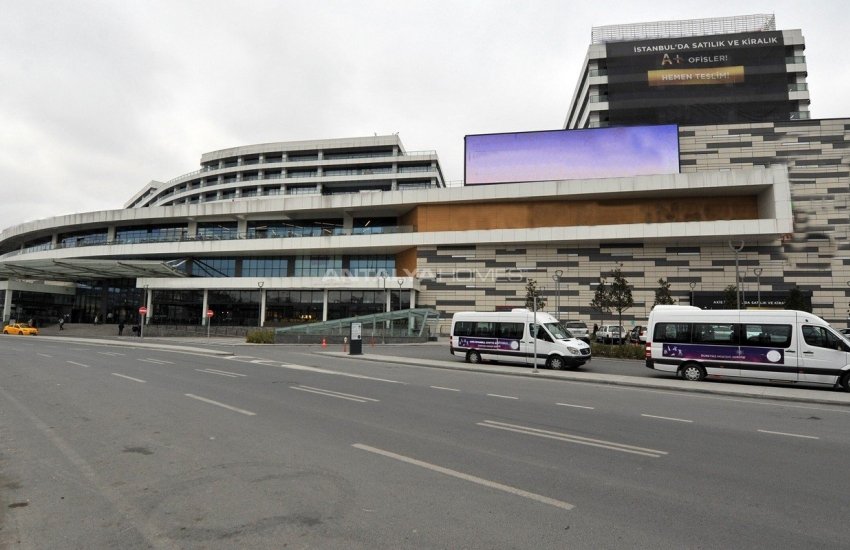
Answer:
[(796, 300), (730, 297), (601, 300), (620, 296), (662, 294), (531, 291)]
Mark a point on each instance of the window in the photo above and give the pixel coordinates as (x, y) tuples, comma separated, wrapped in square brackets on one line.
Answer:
[(674, 333), (485, 329), (715, 333), (820, 337), (541, 333), (464, 328), (512, 331), (775, 336)]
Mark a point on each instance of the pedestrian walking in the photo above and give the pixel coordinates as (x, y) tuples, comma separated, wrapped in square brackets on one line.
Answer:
[(121, 328), (62, 323)]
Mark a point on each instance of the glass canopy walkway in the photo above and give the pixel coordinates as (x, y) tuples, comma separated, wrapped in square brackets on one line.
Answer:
[(417, 324)]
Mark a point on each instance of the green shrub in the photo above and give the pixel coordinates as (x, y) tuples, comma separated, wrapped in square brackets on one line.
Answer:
[(260, 337), (625, 351)]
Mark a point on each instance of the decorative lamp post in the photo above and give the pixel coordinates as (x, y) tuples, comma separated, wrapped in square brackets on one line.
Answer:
[(557, 278), (693, 285), (758, 272), (737, 249)]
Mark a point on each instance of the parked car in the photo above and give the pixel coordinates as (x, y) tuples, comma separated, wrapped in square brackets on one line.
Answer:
[(637, 335), (610, 334), (578, 329), (20, 328)]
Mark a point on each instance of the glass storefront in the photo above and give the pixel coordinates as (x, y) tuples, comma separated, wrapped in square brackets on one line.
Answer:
[(234, 307)]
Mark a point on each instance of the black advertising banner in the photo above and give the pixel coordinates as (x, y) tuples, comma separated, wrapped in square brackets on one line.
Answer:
[(728, 78)]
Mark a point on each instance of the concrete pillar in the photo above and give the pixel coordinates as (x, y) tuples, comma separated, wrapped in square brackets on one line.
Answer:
[(110, 234), (7, 306), (325, 305), (262, 307), (242, 228), (347, 223), (412, 298), (149, 302)]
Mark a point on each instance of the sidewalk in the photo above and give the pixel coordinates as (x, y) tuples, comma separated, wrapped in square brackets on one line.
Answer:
[(782, 393)]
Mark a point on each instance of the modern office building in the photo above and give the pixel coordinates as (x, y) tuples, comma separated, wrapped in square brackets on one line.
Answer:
[(729, 70), (285, 233)]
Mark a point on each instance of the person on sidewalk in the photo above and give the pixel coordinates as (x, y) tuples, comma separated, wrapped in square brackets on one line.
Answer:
[(121, 327), (62, 323)]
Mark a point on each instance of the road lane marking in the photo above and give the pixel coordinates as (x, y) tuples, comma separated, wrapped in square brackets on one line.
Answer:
[(324, 371), (790, 435), (129, 377), (45, 355), (501, 396), (467, 477), (569, 438), (154, 360), (222, 405), (221, 373), (78, 364), (442, 388), (111, 353), (667, 418), (329, 393), (575, 406)]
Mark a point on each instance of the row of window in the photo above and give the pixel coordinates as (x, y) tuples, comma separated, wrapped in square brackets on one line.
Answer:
[(297, 266), (489, 329), (744, 334)]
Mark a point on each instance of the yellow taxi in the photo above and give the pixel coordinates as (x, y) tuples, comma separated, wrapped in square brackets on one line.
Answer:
[(20, 328)]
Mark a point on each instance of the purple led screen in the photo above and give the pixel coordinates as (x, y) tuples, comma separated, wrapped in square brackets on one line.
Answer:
[(571, 154)]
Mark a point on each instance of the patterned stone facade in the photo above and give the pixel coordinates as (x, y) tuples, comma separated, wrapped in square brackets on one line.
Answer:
[(815, 258)]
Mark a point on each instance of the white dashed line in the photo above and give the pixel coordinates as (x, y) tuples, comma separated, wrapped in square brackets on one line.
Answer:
[(667, 418), (575, 406), (501, 396), (789, 435), (222, 405), (78, 364), (442, 388), (129, 378), (467, 477)]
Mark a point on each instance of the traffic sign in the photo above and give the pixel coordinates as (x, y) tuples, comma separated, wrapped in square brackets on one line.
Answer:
[(143, 310), (210, 313)]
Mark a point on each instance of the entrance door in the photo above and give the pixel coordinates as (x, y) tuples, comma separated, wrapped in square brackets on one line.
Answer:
[(823, 354)]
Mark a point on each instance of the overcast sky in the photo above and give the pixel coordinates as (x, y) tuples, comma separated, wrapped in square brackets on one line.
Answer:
[(98, 98)]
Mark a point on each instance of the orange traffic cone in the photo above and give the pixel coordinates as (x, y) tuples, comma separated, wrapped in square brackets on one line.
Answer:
[(324, 343)]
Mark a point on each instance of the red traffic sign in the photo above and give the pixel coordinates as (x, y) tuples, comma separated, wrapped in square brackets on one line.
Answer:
[(210, 313), (143, 310)]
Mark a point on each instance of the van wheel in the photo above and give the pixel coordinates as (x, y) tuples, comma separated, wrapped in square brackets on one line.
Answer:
[(693, 372), (555, 362), (473, 357), (845, 381)]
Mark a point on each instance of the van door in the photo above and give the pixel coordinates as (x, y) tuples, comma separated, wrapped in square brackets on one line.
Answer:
[(823, 354), (545, 343), (768, 351)]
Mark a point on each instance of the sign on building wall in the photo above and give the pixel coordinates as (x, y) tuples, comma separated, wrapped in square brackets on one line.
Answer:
[(729, 78), (571, 154)]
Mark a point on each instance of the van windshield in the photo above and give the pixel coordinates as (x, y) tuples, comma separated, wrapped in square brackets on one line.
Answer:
[(557, 331)]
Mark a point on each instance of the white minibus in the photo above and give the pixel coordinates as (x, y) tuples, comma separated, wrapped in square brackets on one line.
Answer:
[(781, 345), (507, 336)]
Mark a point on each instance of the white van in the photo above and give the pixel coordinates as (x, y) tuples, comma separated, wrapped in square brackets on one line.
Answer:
[(782, 345), (507, 336)]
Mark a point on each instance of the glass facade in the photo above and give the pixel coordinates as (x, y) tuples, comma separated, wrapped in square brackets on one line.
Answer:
[(265, 267), (223, 230), (147, 234), (82, 239), (234, 307), (318, 266), (292, 307), (213, 267), (176, 307), (350, 303)]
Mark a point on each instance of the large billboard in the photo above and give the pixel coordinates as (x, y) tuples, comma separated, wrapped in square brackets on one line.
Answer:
[(571, 154), (729, 78)]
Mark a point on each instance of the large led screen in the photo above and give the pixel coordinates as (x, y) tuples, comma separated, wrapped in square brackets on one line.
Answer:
[(719, 79), (571, 154)]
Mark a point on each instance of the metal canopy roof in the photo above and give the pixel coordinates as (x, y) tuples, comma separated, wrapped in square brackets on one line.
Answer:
[(75, 270)]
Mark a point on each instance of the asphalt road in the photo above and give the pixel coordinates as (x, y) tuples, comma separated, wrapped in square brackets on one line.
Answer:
[(116, 447)]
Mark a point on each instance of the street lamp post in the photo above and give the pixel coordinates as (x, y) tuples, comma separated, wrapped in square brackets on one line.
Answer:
[(262, 303), (386, 304), (693, 285), (557, 278), (757, 271), (400, 283)]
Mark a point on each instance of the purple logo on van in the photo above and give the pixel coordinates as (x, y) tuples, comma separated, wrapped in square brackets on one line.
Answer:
[(488, 343), (742, 354)]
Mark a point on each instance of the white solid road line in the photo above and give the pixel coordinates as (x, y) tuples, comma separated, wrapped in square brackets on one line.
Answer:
[(293, 366), (442, 388), (575, 406), (569, 438), (129, 377), (154, 360), (78, 364), (467, 477), (330, 393), (222, 405), (667, 418), (45, 355), (110, 353), (790, 435), (502, 396)]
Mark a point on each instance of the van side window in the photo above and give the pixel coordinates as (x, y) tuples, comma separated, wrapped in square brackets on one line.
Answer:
[(819, 337), (772, 336), (511, 331), (464, 328), (541, 332), (676, 333), (485, 329), (713, 333)]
